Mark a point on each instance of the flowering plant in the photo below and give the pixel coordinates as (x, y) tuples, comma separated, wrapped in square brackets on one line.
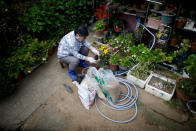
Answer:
[(101, 13), (104, 53)]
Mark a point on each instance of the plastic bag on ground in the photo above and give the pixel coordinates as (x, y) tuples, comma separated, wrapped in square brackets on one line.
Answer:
[(111, 85), (91, 75), (86, 94)]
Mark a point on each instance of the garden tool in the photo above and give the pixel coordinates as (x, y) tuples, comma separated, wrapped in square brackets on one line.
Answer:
[(68, 89)]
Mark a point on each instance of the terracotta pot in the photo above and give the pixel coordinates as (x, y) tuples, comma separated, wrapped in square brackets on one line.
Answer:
[(181, 95), (117, 29), (99, 33), (180, 24), (105, 27), (173, 41), (96, 57), (135, 5), (193, 46), (113, 67), (143, 6), (51, 52), (20, 76)]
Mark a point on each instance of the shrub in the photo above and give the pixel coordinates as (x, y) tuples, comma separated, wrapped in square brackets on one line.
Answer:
[(51, 17), (125, 62), (114, 59), (99, 26)]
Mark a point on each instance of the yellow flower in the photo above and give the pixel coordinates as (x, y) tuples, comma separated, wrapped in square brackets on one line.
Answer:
[(182, 86), (105, 51), (102, 48)]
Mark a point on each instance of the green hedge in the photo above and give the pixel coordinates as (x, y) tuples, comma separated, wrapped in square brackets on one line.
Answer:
[(52, 17), (35, 28)]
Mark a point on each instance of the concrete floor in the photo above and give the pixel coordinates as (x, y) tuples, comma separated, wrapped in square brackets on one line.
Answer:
[(42, 103)]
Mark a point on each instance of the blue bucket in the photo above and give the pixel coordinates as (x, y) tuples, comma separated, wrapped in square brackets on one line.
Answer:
[(167, 19)]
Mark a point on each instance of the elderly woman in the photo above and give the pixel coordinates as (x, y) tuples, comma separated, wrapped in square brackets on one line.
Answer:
[(73, 50)]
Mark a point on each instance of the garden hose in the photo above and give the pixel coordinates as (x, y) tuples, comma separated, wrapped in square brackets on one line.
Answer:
[(154, 40), (128, 104), (130, 100), (189, 107)]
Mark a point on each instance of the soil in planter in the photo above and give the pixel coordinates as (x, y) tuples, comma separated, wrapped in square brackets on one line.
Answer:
[(161, 84), (144, 77), (165, 72)]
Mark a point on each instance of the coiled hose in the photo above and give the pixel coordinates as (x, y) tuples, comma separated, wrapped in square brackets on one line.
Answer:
[(129, 101)]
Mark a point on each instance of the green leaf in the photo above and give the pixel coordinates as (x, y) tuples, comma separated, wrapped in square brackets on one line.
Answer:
[(40, 23)]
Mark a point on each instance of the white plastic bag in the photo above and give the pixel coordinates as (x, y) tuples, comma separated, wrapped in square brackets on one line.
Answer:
[(92, 82), (86, 94)]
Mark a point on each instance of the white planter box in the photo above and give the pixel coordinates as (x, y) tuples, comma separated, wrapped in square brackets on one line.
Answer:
[(157, 92), (137, 81)]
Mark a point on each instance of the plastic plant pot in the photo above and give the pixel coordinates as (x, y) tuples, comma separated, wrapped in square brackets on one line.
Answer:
[(167, 18), (122, 69)]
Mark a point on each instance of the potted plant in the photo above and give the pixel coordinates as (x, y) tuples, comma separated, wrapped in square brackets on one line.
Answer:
[(99, 28), (51, 45), (167, 16), (186, 87), (118, 24), (181, 21), (181, 53), (154, 20), (183, 89), (174, 38), (125, 64), (143, 6), (113, 62), (104, 54), (102, 14), (193, 45)]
